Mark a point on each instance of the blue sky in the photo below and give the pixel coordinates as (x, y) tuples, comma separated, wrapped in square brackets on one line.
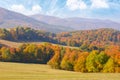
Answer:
[(102, 9)]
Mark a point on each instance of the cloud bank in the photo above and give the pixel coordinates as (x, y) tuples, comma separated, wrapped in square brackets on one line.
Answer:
[(80, 4), (99, 4), (76, 4), (21, 9)]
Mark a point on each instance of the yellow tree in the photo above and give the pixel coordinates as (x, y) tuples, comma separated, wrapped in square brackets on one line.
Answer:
[(80, 65)]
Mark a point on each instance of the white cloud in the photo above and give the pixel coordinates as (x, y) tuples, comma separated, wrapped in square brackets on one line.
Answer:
[(21, 9), (76, 4), (18, 8), (99, 4), (36, 8)]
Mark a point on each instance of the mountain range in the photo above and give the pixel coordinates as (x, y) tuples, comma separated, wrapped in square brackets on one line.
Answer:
[(78, 23), (9, 19)]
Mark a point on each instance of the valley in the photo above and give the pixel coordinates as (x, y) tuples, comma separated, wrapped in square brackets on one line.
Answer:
[(66, 50), (52, 48), (59, 39)]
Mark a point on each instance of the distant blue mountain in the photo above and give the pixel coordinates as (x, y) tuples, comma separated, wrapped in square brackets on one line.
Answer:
[(77, 23), (9, 19)]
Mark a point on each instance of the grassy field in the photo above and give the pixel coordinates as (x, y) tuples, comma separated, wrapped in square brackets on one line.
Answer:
[(10, 43), (21, 71), (17, 44)]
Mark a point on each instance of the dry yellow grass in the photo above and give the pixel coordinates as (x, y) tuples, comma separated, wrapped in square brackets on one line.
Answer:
[(21, 71), (17, 44), (10, 43)]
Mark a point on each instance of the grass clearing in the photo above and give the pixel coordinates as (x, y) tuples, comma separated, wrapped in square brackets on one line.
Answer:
[(17, 44), (21, 71)]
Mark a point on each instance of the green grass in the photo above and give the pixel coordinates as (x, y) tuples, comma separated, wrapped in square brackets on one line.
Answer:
[(21, 71)]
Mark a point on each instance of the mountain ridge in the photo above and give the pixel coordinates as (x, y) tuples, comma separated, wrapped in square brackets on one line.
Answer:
[(9, 19), (78, 23)]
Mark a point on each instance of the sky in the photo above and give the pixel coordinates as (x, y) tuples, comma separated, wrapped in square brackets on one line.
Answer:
[(97, 9)]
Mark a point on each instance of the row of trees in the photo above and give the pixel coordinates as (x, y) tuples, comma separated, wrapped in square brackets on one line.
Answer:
[(26, 34), (28, 53), (95, 61), (65, 58)]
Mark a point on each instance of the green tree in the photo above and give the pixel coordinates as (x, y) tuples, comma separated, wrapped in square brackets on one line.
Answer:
[(101, 60), (66, 65), (109, 66), (28, 53), (90, 62), (6, 55)]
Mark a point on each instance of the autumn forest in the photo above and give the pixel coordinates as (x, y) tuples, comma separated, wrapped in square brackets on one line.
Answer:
[(81, 51)]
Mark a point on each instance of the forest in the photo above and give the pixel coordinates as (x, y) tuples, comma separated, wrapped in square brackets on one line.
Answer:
[(25, 34), (90, 39), (65, 58), (98, 50), (87, 40)]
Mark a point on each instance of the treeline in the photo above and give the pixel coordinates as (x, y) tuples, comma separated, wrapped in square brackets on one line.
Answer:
[(27, 53), (94, 61), (87, 40), (65, 58), (26, 34)]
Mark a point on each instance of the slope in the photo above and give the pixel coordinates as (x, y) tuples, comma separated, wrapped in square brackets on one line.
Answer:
[(78, 23), (10, 19)]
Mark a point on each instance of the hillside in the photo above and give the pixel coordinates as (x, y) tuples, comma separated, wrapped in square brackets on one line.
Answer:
[(90, 38), (26, 34), (77, 23), (10, 43), (10, 19), (100, 48), (83, 38), (13, 44)]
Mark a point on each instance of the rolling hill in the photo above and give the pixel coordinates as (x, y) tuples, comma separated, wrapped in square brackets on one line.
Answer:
[(97, 37), (78, 23), (90, 38), (10, 19)]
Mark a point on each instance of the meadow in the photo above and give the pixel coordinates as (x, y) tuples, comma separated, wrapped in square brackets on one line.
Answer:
[(24, 71)]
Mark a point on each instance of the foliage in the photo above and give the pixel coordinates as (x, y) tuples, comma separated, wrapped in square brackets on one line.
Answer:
[(89, 40), (69, 59), (90, 62), (26, 34), (56, 59), (99, 50), (109, 66), (80, 64), (64, 57)]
